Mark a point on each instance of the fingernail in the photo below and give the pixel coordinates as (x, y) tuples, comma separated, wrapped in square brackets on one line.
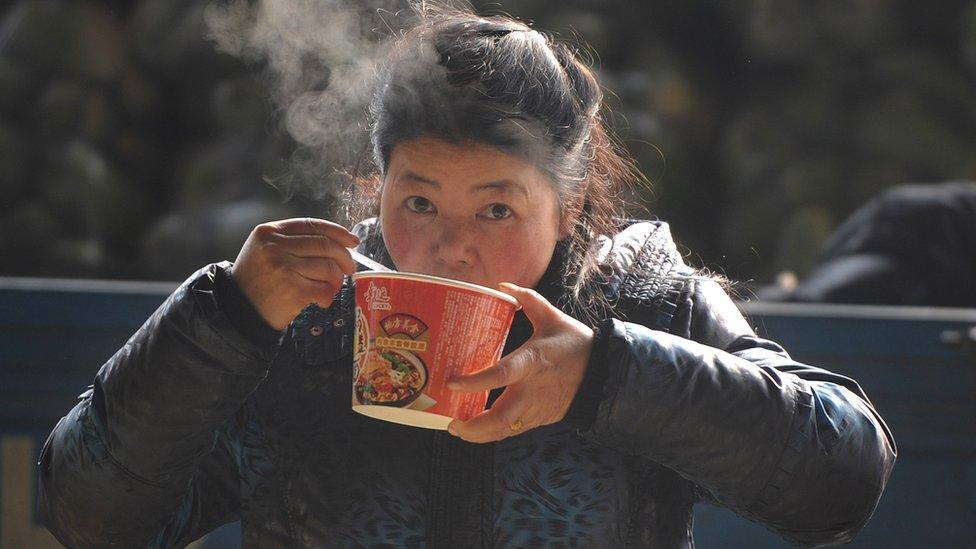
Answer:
[(453, 385), (452, 429)]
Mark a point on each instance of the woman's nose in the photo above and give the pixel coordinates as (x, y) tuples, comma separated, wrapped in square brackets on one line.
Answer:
[(453, 243)]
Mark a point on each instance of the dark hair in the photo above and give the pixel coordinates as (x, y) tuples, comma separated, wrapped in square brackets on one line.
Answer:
[(459, 76)]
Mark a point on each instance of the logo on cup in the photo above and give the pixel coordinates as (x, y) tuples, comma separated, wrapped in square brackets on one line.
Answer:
[(377, 297)]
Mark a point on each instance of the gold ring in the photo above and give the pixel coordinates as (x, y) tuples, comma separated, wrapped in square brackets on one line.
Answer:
[(516, 426)]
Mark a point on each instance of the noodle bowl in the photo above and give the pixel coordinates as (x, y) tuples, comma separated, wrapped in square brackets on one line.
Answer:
[(413, 333)]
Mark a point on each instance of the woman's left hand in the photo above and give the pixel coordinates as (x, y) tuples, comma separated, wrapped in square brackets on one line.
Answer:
[(540, 378)]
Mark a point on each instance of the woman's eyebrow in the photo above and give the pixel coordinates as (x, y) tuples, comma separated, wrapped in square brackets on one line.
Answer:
[(409, 175), (505, 186)]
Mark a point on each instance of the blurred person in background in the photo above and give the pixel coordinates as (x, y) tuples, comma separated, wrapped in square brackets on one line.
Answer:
[(910, 245), (631, 387)]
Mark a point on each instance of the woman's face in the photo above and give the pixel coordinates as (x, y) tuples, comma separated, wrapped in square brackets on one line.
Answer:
[(468, 211)]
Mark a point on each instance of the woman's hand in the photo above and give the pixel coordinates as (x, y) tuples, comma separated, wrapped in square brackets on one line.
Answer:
[(285, 265), (540, 378)]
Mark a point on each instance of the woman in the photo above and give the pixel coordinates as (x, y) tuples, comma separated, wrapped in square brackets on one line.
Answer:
[(631, 388)]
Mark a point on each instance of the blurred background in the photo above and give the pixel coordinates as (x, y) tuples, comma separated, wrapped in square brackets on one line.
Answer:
[(131, 149)]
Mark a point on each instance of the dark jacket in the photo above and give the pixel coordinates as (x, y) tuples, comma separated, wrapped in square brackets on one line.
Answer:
[(203, 418)]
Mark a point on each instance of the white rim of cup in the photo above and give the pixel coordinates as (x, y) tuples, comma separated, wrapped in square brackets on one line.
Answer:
[(438, 280)]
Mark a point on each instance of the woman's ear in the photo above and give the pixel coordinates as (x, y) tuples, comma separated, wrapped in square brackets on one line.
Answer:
[(566, 225), (571, 215), (371, 189)]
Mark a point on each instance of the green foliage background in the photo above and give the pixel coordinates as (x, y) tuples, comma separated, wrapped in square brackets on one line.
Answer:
[(130, 148)]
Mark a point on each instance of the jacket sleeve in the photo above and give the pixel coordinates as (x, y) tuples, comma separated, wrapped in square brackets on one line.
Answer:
[(795, 448), (147, 455)]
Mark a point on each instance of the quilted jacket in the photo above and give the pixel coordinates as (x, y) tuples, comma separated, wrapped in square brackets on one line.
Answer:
[(207, 416)]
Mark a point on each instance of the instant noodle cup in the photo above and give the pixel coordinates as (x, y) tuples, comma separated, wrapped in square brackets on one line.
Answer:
[(413, 333)]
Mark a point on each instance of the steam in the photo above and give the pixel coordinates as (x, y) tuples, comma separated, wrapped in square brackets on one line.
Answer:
[(322, 58)]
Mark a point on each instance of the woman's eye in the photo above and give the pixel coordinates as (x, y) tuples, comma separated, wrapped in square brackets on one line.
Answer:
[(419, 204), (497, 211)]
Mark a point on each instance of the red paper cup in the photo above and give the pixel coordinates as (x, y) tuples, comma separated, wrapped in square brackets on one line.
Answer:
[(413, 333)]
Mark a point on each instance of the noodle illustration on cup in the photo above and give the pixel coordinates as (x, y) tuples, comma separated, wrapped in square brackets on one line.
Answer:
[(413, 333)]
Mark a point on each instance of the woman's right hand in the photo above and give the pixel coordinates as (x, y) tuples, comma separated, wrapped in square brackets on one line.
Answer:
[(285, 265)]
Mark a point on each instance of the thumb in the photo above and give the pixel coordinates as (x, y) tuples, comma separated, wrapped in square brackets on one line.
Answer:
[(537, 308)]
